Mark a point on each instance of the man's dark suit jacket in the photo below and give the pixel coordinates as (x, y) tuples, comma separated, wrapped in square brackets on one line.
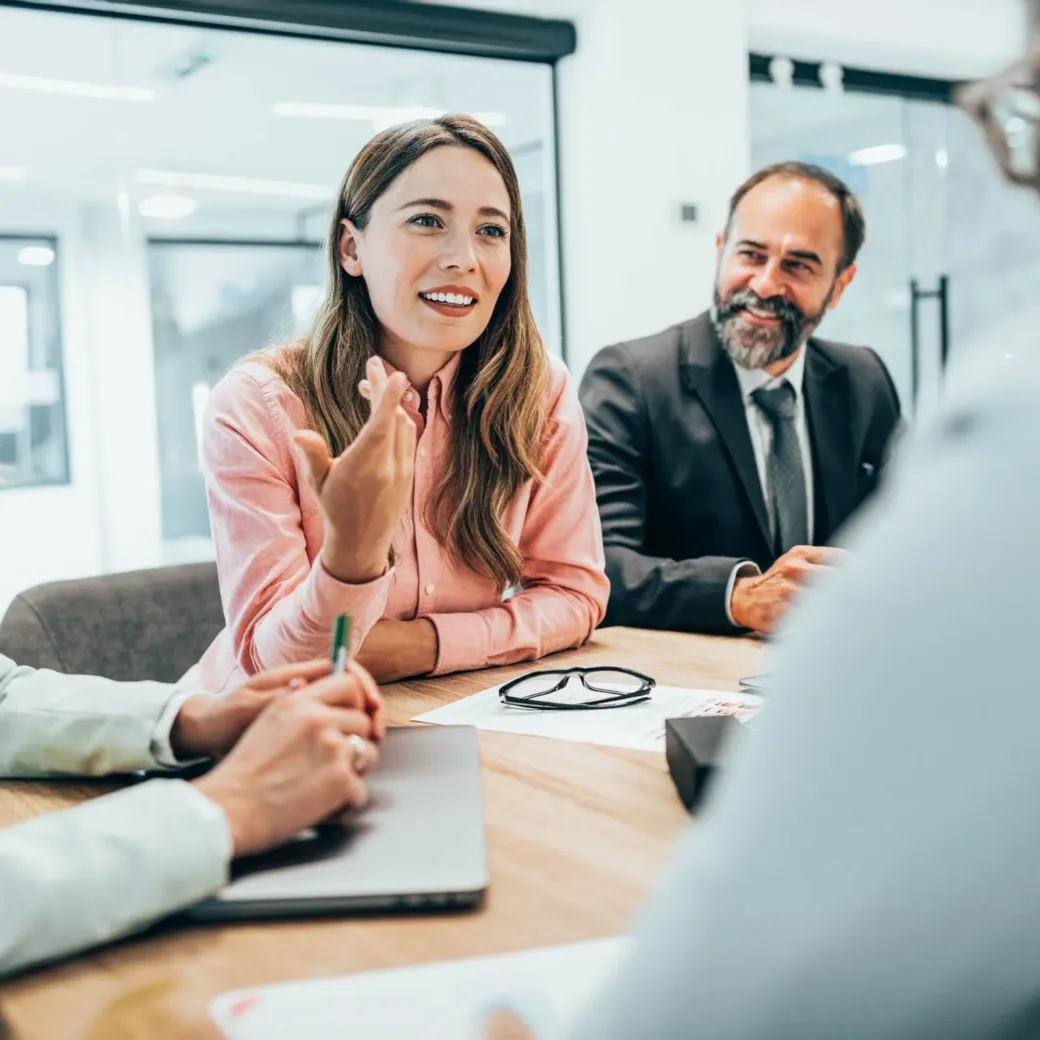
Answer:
[(676, 481)]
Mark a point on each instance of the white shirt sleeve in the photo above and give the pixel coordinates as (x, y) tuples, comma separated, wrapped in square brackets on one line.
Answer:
[(742, 570), (53, 724), (867, 865), (73, 879), (161, 748)]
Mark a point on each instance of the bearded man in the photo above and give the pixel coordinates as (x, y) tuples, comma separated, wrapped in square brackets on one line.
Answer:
[(729, 449)]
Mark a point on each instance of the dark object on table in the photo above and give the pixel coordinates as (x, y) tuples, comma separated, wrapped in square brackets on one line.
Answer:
[(696, 748)]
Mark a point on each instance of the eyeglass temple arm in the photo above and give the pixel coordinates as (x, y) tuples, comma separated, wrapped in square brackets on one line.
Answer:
[(505, 691)]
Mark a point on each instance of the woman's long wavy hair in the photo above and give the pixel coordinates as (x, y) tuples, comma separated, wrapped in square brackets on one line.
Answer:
[(497, 432)]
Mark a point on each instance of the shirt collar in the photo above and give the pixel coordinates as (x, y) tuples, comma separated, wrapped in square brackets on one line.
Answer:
[(442, 385), (751, 379), (444, 380)]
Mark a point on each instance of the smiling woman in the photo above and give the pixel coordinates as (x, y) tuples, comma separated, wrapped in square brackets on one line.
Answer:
[(417, 453)]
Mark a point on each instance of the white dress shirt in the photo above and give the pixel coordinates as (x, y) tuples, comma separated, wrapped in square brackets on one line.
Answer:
[(761, 431), (73, 879), (867, 864)]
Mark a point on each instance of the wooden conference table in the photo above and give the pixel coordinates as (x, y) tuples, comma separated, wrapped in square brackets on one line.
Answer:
[(576, 837)]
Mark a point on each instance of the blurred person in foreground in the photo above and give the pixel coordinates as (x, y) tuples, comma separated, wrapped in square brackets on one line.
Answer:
[(868, 866)]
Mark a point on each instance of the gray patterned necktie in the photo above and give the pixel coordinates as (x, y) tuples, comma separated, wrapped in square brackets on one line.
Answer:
[(785, 475)]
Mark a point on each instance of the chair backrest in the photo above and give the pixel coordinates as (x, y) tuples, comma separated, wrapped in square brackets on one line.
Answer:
[(152, 624)]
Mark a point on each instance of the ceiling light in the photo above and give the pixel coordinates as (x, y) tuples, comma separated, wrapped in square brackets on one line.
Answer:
[(13, 173), (36, 256), (75, 88), (878, 154), (167, 207), (781, 71), (381, 116), (832, 77), (942, 158), (242, 185)]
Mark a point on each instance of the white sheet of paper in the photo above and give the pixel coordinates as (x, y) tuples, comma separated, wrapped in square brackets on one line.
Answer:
[(639, 726), (448, 1000)]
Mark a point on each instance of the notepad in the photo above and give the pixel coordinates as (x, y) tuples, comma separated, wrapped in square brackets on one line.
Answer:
[(447, 1000), (638, 726)]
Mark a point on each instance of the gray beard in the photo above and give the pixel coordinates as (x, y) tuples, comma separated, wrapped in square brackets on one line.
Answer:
[(752, 346)]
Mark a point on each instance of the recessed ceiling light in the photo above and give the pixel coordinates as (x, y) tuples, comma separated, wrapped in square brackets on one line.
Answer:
[(878, 154), (36, 256), (381, 116), (13, 173), (244, 185), (781, 71), (167, 207), (76, 88)]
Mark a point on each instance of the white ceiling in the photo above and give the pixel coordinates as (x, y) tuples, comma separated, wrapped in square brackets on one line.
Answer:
[(947, 38), (219, 120)]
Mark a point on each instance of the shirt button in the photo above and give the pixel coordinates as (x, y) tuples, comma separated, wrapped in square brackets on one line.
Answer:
[(407, 395), (429, 589), (422, 453)]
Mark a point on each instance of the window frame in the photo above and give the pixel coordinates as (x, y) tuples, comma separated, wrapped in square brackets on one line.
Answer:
[(52, 240)]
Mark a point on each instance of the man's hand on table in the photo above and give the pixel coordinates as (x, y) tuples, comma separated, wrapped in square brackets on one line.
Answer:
[(760, 601)]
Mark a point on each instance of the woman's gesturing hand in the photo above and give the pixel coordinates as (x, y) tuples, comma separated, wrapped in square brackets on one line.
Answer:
[(365, 490)]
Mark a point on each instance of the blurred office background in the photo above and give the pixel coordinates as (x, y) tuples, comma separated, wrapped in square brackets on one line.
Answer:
[(165, 183)]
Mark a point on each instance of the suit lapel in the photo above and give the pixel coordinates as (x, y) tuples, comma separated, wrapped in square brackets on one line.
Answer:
[(828, 405), (708, 372)]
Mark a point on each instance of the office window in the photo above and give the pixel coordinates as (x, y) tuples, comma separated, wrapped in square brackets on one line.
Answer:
[(213, 303), (32, 414), (181, 168)]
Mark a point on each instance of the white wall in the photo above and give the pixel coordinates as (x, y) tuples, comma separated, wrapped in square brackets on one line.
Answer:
[(653, 113)]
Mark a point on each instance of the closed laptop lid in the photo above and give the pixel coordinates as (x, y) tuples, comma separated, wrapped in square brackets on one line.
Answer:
[(419, 842)]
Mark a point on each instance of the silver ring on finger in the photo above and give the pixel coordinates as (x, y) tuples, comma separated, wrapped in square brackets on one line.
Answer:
[(360, 748)]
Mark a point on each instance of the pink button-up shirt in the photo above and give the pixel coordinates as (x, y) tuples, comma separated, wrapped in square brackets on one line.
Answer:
[(279, 601)]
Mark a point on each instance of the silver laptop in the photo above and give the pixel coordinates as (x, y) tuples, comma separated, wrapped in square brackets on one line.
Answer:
[(417, 845)]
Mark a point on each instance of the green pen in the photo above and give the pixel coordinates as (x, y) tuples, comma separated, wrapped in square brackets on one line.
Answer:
[(341, 644)]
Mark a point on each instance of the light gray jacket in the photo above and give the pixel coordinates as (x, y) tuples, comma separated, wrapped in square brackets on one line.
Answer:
[(73, 879)]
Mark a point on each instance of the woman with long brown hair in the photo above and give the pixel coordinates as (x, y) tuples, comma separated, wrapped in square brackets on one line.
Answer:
[(417, 461)]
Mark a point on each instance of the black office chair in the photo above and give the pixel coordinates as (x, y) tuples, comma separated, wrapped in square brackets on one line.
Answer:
[(151, 624)]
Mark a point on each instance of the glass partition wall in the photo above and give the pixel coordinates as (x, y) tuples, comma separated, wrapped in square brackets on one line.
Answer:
[(179, 179), (952, 251)]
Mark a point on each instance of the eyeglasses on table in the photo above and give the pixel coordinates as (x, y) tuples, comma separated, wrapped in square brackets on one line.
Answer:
[(577, 689)]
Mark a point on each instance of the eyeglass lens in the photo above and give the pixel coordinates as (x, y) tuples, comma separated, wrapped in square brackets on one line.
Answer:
[(598, 681), (1016, 112)]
